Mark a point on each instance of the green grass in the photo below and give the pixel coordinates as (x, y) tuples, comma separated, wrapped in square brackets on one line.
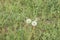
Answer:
[(14, 12)]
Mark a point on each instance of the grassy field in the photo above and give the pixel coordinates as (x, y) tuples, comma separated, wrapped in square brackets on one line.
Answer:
[(13, 14)]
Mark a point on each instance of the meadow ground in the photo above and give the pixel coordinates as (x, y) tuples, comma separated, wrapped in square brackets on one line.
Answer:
[(13, 14)]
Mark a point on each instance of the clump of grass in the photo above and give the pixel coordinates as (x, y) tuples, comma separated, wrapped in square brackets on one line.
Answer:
[(14, 12)]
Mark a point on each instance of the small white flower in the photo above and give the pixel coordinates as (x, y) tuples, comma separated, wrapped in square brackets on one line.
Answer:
[(34, 23), (28, 20)]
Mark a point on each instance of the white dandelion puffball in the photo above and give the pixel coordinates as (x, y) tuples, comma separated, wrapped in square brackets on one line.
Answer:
[(28, 20), (34, 23)]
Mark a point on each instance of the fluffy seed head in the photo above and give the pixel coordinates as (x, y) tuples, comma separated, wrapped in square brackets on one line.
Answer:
[(34, 23), (28, 20)]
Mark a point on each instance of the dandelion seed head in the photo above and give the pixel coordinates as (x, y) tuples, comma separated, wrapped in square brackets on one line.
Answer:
[(34, 23), (28, 20)]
